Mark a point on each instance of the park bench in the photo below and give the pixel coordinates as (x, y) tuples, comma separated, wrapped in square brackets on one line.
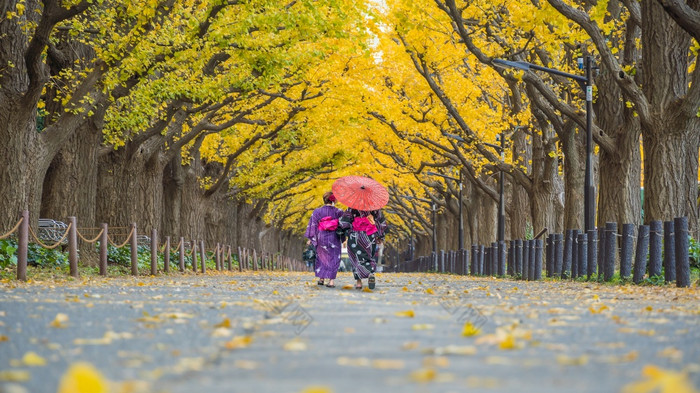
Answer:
[(52, 230)]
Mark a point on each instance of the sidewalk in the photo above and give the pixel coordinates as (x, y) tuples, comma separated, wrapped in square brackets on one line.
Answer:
[(280, 332)]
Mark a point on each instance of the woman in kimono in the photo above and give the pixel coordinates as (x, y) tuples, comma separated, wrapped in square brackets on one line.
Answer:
[(321, 232), (364, 231)]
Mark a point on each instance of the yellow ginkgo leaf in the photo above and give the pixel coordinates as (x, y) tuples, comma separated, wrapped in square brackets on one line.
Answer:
[(470, 330), (317, 389), (430, 291), (226, 323), (238, 342), (82, 378), (660, 380), (406, 314), (32, 359), (59, 321), (508, 342), (423, 375), (423, 326)]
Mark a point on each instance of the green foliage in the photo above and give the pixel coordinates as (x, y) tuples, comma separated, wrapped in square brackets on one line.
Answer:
[(36, 255), (655, 280), (8, 257), (40, 256), (694, 253), (529, 231)]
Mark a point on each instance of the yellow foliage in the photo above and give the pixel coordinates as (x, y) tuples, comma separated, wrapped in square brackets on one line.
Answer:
[(83, 378)]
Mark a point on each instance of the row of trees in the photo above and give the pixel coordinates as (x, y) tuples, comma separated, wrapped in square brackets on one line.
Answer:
[(189, 116), (199, 117), (450, 101)]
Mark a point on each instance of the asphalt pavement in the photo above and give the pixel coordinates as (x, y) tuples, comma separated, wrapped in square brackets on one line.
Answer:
[(280, 332)]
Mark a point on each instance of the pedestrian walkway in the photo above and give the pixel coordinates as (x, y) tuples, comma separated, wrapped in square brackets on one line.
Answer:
[(280, 332)]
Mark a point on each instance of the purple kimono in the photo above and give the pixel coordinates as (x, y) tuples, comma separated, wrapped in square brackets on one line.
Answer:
[(327, 243)]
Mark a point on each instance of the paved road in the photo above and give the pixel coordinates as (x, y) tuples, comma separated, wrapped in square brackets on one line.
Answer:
[(279, 332)]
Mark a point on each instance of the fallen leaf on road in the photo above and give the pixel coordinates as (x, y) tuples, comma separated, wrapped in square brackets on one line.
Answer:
[(353, 362), (32, 359), (14, 375), (664, 381), (238, 342), (409, 345), (436, 362), (423, 375), (294, 345), (470, 330), (454, 350), (388, 364), (406, 314), (423, 326), (82, 378), (572, 361), (317, 389), (59, 321)]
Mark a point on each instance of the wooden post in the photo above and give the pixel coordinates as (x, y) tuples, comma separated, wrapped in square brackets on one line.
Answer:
[(134, 251), (203, 254), (228, 259), (255, 260), (166, 255), (182, 254), (104, 239), (194, 256), (154, 252), (240, 259), (217, 259), (73, 247), (23, 246)]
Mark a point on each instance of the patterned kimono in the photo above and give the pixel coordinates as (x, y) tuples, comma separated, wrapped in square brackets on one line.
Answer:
[(327, 243), (362, 247)]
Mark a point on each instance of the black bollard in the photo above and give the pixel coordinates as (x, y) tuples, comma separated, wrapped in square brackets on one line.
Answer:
[(526, 260), (494, 259), (502, 258), (538, 258), (601, 252), (511, 258), (680, 225), (592, 252), (465, 259), (610, 248), (531, 259), (475, 260), (655, 247), (549, 253), (626, 248), (518, 258), (669, 252), (568, 247), (574, 253), (480, 265), (558, 254), (640, 258), (582, 258)]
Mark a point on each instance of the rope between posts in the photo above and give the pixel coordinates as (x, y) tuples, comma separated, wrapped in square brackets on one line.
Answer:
[(58, 243), (89, 241), (178, 245), (8, 234), (128, 237)]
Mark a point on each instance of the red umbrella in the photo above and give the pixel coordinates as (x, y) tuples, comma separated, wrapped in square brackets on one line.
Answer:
[(361, 193)]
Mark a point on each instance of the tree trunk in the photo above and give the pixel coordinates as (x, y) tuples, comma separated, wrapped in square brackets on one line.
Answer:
[(670, 139), (131, 189), (520, 201), (573, 146)]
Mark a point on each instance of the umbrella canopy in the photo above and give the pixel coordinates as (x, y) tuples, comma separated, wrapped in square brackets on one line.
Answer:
[(361, 193)]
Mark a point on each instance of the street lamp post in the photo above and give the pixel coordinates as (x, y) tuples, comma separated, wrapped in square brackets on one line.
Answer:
[(461, 219), (586, 83)]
